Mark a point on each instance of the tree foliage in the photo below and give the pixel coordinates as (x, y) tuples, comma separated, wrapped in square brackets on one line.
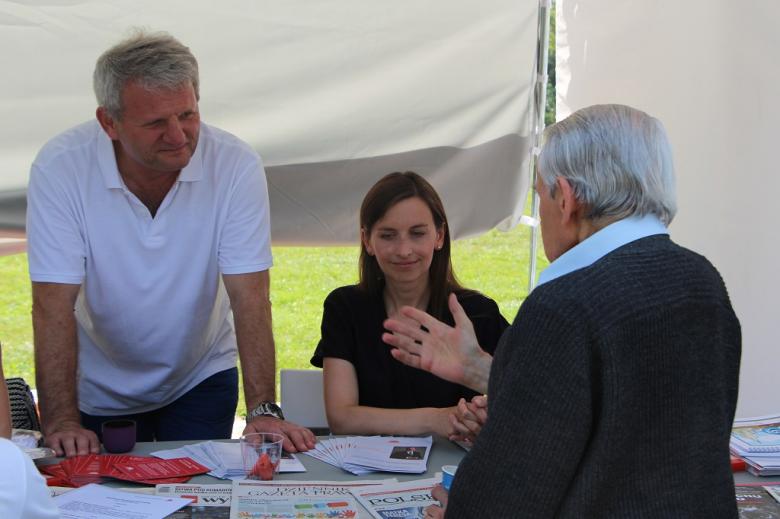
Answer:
[(549, 109)]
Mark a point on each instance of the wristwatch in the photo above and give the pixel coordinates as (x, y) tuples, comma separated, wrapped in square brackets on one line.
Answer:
[(265, 409)]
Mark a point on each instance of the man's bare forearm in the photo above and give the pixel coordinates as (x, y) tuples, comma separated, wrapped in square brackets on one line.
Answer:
[(54, 332), (258, 358), (254, 334)]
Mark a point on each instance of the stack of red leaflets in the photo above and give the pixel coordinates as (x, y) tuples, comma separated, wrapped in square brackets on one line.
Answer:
[(96, 468)]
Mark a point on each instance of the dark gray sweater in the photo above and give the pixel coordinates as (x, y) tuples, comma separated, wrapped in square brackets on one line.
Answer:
[(612, 395)]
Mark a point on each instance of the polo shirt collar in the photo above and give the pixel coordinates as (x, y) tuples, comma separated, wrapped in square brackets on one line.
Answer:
[(113, 180), (601, 243)]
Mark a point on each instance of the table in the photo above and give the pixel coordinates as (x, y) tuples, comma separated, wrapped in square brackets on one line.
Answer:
[(444, 452), (746, 478)]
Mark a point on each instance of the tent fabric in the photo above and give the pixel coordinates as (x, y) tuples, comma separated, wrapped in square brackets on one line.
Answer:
[(701, 67), (332, 94)]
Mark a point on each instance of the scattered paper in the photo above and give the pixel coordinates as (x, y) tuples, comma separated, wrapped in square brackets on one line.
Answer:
[(366, 454), (96, 502), (224, 458), (206, 501)]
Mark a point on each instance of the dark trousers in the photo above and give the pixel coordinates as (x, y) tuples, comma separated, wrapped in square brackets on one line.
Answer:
[(205, 412)]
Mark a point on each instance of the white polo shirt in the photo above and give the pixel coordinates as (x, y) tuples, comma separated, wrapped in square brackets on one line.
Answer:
[(153, 316)]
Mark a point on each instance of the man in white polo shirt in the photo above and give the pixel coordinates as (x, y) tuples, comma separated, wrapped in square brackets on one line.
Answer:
[(152, 226)]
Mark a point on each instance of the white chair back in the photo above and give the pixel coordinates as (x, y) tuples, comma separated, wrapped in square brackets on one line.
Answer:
[(302, 397)]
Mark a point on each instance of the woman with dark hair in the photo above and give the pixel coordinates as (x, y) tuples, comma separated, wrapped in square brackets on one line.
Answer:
[(404, 261)]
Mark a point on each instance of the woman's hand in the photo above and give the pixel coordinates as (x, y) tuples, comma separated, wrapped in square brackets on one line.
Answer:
[(441, 421)]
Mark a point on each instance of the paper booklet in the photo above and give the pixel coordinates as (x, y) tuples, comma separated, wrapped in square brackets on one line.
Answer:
[(365, 454), (408, 499), (297, 499), (756, 435), (206, 501), (757, 441), (224, 458)]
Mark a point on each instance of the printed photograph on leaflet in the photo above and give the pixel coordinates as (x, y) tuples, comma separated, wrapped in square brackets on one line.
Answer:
[(408, 453)]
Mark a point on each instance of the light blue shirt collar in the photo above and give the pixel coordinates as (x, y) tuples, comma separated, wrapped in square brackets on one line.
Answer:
[(601, 243)]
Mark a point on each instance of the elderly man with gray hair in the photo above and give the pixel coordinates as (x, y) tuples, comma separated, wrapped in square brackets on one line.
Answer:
[(153, 227), (613, 392)]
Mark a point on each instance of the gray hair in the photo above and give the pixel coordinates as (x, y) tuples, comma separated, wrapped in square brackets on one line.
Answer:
[(617, 159), (157, 61)]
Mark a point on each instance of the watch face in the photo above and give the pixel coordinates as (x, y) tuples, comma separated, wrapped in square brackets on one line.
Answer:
[(272, 408)]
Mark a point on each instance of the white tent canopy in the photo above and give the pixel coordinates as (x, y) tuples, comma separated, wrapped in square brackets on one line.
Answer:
[(336, 93), (709, 70), (332, 94)]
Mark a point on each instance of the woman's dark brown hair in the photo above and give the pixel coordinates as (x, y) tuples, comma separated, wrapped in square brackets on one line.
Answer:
[(387, 192)]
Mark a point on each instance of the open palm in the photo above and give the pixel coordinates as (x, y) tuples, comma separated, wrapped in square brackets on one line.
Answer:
[(451, 353)]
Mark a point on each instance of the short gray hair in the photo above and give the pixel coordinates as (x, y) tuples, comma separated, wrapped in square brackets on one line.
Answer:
[(154, 60), (617, 159)]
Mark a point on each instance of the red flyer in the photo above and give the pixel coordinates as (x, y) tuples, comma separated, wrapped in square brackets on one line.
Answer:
[(153, 468), (94, 468), (83, 470)]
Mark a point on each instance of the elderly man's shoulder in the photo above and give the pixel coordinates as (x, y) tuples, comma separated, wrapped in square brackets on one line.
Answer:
[(648, 265), (659, 257)]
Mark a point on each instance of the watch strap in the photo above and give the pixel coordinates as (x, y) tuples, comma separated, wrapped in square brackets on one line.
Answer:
[(265, 409)]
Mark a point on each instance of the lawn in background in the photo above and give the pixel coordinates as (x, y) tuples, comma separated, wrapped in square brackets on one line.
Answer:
[(495, 263)]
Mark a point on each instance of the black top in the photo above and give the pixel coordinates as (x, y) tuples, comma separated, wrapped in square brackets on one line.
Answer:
[(612, 395), (352, 327)]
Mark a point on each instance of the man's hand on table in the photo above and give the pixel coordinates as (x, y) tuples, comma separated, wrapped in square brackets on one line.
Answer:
[(296, 438), (71, 439)]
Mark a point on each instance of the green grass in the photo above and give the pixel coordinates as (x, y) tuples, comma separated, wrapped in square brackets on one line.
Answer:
[(15, 321), (495, 263)]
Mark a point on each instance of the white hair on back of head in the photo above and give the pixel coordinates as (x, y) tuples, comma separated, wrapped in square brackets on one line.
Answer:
[(617, 159), (153, 60)]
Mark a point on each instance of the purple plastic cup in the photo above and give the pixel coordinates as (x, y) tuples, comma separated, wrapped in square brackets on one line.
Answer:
[(118, 435)]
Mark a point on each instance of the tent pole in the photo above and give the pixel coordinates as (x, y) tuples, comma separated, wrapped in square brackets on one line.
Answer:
[(540, 100)]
